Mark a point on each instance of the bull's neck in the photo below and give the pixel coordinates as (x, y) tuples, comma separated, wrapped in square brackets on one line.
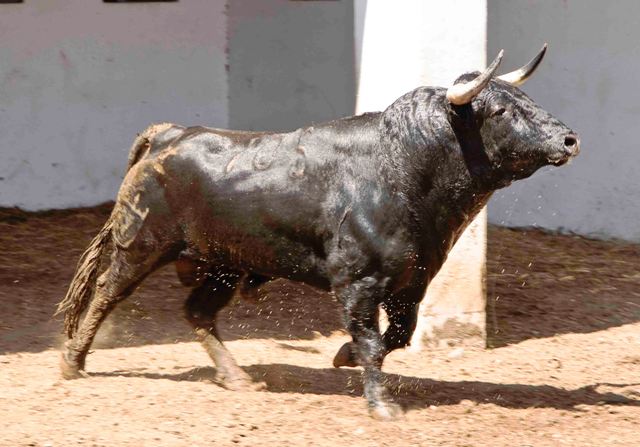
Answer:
[(440, 164)]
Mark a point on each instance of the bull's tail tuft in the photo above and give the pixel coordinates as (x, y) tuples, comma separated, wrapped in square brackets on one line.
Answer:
[(83, 283)]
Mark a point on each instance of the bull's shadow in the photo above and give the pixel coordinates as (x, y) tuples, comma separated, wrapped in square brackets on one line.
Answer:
[(410, 392)]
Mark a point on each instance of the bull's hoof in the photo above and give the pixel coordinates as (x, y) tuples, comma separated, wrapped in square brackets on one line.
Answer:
[(386, 411), (243, 385), (70, 370), (235, 379), (345, 356)]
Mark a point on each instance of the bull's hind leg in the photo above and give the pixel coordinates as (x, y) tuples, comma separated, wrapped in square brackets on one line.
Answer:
[(201, 308), (118, 282)]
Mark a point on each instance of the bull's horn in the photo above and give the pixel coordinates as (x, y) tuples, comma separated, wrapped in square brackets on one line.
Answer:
[(520, 76), (459, 94)]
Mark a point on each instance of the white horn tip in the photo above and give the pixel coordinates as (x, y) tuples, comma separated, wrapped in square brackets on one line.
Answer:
[(498, 59)]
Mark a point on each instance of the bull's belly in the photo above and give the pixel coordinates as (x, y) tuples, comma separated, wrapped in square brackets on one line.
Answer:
[(273, 255)]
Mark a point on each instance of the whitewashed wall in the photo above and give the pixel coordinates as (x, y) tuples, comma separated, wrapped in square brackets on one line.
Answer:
[(290, 63), (589, 80), (79, 78)]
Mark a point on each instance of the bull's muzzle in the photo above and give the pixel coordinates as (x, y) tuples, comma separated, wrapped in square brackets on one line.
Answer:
[(571, 148), (572, 145)]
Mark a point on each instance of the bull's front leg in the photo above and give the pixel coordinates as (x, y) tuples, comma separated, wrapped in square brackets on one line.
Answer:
[(402, 314), (360, 301), (403, 318)]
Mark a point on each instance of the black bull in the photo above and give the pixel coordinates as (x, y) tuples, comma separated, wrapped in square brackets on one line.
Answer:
[(366, 206)]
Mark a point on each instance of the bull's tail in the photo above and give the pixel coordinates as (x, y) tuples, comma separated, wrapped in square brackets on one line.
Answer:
[(81, 289), (84, 281)]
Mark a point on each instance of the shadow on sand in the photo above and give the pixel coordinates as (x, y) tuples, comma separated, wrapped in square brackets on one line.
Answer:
[(410, 392)]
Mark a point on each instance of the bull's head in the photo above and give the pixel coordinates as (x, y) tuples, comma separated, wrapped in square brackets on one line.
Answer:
[(518, 136)]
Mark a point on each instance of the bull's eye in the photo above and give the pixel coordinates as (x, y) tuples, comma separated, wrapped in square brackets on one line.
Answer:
[(498, 112)]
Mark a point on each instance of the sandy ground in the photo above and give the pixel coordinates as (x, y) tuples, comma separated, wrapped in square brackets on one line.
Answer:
[(564, 368)]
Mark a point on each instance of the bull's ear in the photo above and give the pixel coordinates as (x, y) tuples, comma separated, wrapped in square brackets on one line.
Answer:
[(459, 94), (520, 76)]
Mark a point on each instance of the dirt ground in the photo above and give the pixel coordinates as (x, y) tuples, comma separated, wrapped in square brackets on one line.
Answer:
[(563, 368)]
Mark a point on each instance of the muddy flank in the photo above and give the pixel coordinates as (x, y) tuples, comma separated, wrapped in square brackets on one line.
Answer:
[(564, 367)]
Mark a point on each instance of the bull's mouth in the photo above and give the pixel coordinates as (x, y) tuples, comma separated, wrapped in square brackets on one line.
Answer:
[(562, 159), (571, 149), (559, 161)]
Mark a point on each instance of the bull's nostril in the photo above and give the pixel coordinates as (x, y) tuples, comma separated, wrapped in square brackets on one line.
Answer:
[(570, 141)]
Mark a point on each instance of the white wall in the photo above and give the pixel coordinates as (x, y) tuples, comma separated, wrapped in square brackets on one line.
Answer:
[(290, 63), (79, 79), (589, 81)]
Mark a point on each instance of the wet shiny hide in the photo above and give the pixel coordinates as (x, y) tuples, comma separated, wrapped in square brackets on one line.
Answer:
[(366, 206)]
